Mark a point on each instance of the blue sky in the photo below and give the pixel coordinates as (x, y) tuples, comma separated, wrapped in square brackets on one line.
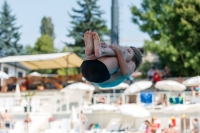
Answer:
[(30, 12)]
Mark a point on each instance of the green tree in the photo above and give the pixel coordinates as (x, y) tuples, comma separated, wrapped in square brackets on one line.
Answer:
[(87, 17), (47, 27), (44, 45), (174, 28), (30, 50), (9, 35)]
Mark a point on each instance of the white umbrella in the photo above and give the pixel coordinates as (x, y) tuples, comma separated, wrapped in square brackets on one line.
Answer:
[(36, 74), (79, 86), (17, 92), (134, 110), (138, 86), (3, 75), (175, 109), (102, 107), (170, 85), (181, 108), (120, 86), (194, 81)]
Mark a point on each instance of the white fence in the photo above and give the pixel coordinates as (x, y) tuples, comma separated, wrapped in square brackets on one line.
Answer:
[(58, 103), (118, 98), (50, 102)]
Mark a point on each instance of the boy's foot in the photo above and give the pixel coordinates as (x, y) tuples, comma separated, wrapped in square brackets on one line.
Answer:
[(97, 44), (89, 44)]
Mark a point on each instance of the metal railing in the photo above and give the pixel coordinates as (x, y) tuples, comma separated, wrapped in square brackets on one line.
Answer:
[(111, 98), (50, 102), (58, 103)]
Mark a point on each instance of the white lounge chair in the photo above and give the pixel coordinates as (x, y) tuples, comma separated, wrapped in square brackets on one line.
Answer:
[(114, 124)]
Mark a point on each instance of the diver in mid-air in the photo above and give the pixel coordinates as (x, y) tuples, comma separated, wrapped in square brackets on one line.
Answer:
[(108, 65)]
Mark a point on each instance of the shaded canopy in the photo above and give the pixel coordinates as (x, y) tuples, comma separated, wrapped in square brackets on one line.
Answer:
[(46, 61)]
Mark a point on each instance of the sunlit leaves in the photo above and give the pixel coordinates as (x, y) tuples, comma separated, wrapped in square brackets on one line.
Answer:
[(174, 28)]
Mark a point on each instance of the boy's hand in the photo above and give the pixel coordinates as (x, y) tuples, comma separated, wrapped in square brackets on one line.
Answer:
[(115, 47), (103, 45)]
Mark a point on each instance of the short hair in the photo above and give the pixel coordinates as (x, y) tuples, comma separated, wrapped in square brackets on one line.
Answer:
[(137, 58)]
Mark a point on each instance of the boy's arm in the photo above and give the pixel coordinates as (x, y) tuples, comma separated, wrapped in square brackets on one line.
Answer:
[(107, 51), (124, 66)]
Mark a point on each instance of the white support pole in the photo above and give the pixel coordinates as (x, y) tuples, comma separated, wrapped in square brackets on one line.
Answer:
[(28, 106), (153, 101), (67, 105), (80, 121), (123, 98), (108, 99)]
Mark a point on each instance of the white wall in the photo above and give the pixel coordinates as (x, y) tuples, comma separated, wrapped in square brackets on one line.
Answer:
[(12, 71)]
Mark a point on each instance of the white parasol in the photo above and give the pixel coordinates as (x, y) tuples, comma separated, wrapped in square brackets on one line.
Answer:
[(134, 110), (35, 74), (79, 86), (194, 81), (138, 86), (175, 109), (3, 75), (181, 108), (170, 85)]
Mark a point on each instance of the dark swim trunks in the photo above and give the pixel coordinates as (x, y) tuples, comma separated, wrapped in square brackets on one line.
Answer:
[(95, 71)]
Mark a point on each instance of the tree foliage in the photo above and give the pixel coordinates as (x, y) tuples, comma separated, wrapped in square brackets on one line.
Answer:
[(87, 17), (174, 28), (44, 45), (47, 27), (9, 35)]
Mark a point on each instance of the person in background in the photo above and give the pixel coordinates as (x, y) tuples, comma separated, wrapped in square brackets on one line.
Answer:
[(170, 130), (1, 122), (7, 117), (180, 79), (195, 89), (83, 120), (157, 122), (173, 122), (153, 125), (196, 126), (166, 72), (119, 102), (27, 120), (195, 98), (101, 99), (163, 100), (180, 99), (185, 123), (156, 76), (26, 82), (150, 73), (148, 126)]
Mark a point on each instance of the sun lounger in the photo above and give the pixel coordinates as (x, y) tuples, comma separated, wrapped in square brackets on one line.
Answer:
[(126, 126), (114, 124)]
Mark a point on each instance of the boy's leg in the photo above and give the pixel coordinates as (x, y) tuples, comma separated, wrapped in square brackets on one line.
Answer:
[(89, 44), (97, 44), (101, 49)]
